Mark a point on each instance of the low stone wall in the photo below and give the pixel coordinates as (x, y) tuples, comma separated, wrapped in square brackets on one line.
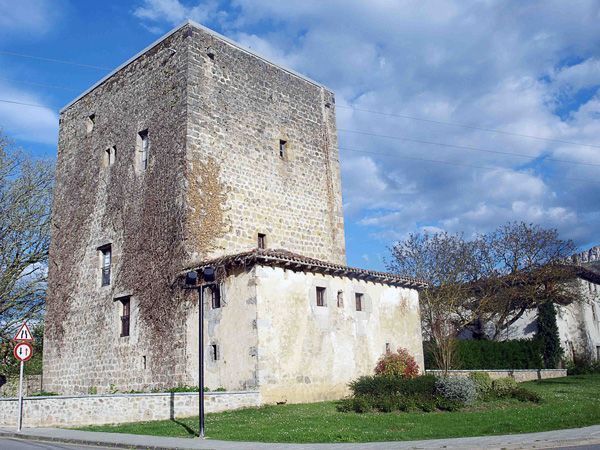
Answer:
[(519, 375), (67, 411), (31, 385)]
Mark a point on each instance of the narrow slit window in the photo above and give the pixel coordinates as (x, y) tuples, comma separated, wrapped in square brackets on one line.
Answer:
[(126, 318), (282, 149), (359, 301), (105, 264), (320, 296), (214, 352), (90, 121), (262, 241), (144, 147), (109, 156), (340, 299)]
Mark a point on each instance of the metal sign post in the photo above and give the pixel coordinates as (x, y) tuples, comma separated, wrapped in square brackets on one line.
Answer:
[(23, 352), (20, 418)]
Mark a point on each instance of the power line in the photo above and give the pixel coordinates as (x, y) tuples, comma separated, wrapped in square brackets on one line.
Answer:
[(53, 86), (472, 127), (414, 158), (60, 61), (24, 104), (465, 147)]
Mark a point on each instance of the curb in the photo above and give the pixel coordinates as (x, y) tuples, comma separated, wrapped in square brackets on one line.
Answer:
[(33, 437), (541, 443)]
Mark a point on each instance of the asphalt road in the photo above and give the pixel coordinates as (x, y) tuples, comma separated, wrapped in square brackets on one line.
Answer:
[(19, 444)]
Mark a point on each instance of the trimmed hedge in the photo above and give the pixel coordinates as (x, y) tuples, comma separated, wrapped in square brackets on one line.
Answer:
[(482, 354)]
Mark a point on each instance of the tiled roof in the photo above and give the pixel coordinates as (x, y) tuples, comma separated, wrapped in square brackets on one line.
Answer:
[(295, 262)]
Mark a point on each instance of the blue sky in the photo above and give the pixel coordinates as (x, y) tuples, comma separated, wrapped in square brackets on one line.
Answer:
[(526, 68)]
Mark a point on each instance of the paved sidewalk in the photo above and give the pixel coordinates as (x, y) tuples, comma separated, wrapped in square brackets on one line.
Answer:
[(548, 439)]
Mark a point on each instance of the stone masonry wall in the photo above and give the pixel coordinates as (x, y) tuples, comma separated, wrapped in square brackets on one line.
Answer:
[(240, 107), (119, 408), (139, 212), (215, 115), (518, 375)]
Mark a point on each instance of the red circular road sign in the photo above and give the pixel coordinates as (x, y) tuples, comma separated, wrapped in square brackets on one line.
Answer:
[(23, 351)]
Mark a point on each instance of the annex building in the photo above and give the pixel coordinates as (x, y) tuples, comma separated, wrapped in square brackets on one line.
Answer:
[(198, 154)]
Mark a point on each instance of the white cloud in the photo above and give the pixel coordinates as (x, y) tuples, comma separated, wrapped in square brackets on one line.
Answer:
[(24, 16), (493, 64), (173, 12), (28, 123)]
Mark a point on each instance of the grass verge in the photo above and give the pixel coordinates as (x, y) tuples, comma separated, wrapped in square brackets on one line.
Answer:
[(567, 403)]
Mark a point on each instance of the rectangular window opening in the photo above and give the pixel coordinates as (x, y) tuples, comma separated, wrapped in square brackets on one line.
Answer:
[(282, 149), (359, 301), (105, 264), (125, 318), (340, 299), (262, 241), (320, 296), (143, 148), (214, 352), (212, 293)]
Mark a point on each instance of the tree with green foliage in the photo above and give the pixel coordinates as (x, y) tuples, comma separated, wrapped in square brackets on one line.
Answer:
[(547, 335)]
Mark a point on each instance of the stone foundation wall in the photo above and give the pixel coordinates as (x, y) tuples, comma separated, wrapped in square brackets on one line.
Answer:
[(67, 411), (31, 385), (519, 375)]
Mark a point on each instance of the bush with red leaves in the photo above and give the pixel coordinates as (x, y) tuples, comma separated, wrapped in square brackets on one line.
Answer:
[(401, 364)]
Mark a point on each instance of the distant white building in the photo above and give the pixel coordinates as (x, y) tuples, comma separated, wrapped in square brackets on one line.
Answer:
[(578, 323)]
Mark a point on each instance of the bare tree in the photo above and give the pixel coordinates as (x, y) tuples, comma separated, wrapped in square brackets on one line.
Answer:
[(492, 279), (25, 199), (446, 262), (528, 269)]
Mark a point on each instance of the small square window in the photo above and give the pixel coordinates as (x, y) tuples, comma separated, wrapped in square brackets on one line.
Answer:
[(320, 296), (359, 301), (262, 241), (283, 149)]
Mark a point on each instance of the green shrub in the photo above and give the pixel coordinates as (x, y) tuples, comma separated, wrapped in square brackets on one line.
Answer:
[(503, 387), (220, 389), (361, 404), (384, 385), (583, 365), (525, 395), (483, 354), (459, 390), (483, 383)]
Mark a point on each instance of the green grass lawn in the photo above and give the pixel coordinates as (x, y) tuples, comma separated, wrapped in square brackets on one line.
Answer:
[(567, 403)]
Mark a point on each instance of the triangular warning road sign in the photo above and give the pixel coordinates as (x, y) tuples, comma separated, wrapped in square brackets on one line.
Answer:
[(23, 334)]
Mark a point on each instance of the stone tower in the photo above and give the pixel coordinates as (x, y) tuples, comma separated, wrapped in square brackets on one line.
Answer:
[(193, 149)]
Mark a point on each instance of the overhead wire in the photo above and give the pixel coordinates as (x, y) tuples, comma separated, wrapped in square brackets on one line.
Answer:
[(472, 127)]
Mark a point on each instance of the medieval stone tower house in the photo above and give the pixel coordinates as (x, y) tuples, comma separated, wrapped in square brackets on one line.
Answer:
[(197, 153)]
